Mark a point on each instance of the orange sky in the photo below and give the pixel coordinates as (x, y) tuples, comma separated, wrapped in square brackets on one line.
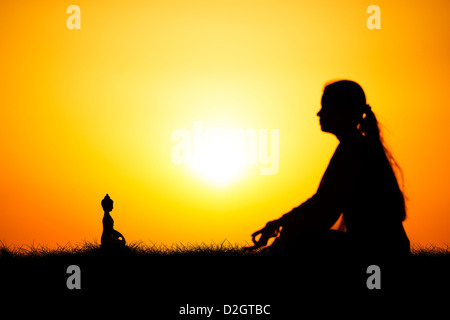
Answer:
[(91, 111)]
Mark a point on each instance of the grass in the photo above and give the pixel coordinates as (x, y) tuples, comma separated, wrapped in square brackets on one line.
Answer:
[(430, 250), (136, 248), (166, 277), (140, 248), (36, 268)]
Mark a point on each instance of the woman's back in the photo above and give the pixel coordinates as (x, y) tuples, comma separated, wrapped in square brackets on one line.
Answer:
[(374, 207)]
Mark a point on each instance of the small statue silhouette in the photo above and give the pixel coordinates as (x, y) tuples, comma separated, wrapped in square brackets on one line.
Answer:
[(110, 238)]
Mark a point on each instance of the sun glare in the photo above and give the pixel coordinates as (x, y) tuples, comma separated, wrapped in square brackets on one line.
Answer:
[(220, 159)]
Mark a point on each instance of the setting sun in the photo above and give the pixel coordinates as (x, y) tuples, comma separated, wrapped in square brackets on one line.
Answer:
[(220, 155), (219, 164), (219, 160)]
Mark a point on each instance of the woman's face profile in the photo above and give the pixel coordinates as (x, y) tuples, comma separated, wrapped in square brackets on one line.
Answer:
[(329, 117)]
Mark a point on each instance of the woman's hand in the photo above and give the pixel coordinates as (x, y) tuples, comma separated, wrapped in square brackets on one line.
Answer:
[(271, 229)]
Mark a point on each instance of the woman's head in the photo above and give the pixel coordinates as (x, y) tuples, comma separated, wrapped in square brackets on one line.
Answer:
[(107, 203), (344, 110)]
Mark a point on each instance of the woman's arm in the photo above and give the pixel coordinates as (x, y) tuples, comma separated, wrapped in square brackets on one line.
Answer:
[(322, 210), (315, 214), (319, 212)]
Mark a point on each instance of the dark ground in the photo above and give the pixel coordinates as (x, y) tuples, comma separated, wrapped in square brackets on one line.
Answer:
[(157, 284)]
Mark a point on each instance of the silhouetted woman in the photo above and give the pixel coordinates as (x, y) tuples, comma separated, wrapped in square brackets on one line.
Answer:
[(359, 183), (110, 237)]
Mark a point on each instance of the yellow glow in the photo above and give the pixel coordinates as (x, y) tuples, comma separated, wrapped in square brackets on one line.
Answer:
[(220, 161)]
